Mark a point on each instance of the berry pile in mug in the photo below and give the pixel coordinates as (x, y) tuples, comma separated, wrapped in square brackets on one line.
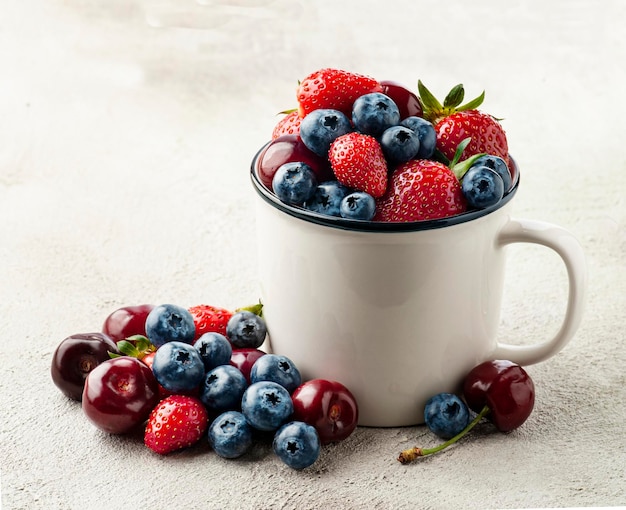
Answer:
[(188, 375), (364, 149)]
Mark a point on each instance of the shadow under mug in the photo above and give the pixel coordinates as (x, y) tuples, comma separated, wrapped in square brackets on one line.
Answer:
[(398, 312)]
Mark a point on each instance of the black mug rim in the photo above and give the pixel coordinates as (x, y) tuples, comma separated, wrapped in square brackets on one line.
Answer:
[(376, 226)]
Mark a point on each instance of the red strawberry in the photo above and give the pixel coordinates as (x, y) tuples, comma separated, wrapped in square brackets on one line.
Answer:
[(454, 123), (288, 125), (421, 190), (210, 319), (177, 422), (358, 162), (333, 88)]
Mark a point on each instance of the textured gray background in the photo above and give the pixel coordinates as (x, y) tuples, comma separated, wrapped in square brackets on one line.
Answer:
[(126, 131)]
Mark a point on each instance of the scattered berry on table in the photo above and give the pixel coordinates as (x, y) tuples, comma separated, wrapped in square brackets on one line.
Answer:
[(446, 415), (167, 323), (230, 435), (246, 330), (178, 367), (177, 422), (297, 444), (277, 368), (266, 405)]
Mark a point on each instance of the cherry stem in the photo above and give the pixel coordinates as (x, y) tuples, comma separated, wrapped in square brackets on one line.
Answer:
[(411, 454)]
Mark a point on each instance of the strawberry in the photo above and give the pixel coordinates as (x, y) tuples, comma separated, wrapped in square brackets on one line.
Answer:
[(334, 89), (455, 122), (288, 125), (177, 422), (210, 319), (358, 162), (421, 190)]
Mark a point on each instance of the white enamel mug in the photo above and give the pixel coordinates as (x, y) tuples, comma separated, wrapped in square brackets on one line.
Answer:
[(398, 312)]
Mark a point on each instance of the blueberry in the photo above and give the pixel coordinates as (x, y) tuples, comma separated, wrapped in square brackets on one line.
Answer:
[(446, 415), (230, 435), (266, 405), (320, 128), (399, 144), (373, 113), (214, 349), (276, 368), (482, 187), (425, 133), (358, 206), (223, 388), (327, 198), (177, 366), (297, 444), (294, 183), (246, 330), (166, 323), (499, 165)]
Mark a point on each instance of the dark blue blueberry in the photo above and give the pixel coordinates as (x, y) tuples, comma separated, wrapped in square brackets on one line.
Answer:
[(167, 323), (266, 405), (246, 330), (358, 206), (425, 133), (297, 444), (327, 198), (276, 368), (482, 187), (230, 435), (373, 113), (446, 415), (294, 183), (223, 388), (214, 349), (499, 165), (320, 128), (177, 366), (399, 144)]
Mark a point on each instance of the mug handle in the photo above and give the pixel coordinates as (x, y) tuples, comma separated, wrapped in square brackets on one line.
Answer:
[(570, 251)]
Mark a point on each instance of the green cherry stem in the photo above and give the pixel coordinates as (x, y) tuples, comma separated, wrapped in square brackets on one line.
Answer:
[(411, 454)]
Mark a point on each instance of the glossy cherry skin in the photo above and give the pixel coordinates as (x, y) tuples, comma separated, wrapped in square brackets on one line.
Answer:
[(119, 394), (503, 386), (287, 149), (244, 358), (127, 321), (328, 406), (75, 357), (407, 101)]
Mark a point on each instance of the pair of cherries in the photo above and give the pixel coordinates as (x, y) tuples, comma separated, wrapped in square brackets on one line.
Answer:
[(499, 390)]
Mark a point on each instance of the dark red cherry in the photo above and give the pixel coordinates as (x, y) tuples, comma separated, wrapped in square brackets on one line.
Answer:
[(75, 357), (504, 387), (244, 358), (407, 101), (328, 406), (287, 149), (126, 322), (119, 394)]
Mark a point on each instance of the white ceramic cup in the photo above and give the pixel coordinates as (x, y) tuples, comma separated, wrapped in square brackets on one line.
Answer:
[(398, 312)]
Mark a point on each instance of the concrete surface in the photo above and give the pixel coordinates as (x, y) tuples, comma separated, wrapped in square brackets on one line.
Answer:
[(126, 130)]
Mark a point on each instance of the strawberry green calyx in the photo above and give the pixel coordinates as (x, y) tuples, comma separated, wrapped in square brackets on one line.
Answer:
[(434, 111), (256, 309), (136, 346), (460, 169)]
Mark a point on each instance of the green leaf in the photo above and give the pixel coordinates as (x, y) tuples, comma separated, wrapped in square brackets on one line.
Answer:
[(429, 102), (256, 309), (113, 355), (473, 104), (459, 151), (128, 349), (460, 169), (454, 97)]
